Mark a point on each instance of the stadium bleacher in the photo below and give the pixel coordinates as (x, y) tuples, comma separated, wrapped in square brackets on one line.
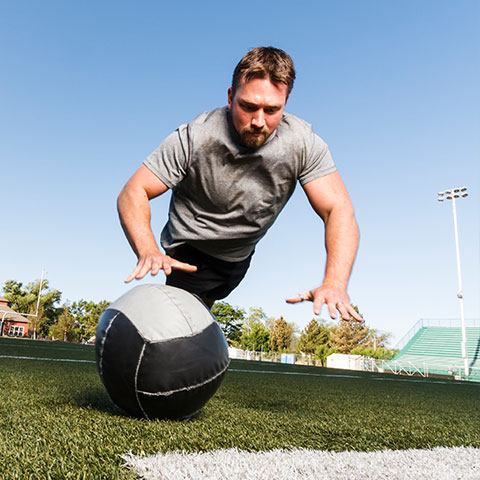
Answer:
[(434, 347)]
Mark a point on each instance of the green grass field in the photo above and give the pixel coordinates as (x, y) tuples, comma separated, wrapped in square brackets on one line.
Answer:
[(57, 421)]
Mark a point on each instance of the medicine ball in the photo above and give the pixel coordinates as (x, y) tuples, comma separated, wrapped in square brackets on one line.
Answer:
[(160, 352)]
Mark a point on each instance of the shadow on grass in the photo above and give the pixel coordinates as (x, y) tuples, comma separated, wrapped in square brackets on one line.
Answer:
[(97, 399)]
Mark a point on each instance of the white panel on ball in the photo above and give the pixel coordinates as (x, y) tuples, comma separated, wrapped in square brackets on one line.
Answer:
[(174, 303)]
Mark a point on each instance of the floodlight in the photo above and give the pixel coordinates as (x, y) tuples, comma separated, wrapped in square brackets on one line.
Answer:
[(452, 194)]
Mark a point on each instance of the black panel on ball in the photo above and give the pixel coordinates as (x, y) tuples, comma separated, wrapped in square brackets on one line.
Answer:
[(118, 360), (189, 368), (182, 362), (181, 405)]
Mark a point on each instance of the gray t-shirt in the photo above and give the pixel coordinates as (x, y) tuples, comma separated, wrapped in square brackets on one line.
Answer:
[(225, 195)]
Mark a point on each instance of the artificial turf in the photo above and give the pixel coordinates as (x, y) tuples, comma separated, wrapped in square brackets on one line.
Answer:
[(57, 421)]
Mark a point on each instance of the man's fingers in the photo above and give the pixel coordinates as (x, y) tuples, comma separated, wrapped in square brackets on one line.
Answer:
[(301, 297), (130, 278), (332, 309), (343, 310), (167, 268), (173, 264), (134, 274), (318, 301), (353, 313), (347, 312), (186, 267), (317, 305), (155, 268), (155, 264), (297, 299)]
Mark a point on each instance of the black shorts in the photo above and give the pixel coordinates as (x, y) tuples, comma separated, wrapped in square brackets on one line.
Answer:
[(214, 278)]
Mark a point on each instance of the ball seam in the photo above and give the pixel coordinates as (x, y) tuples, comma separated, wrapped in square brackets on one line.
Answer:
[(102, 348), (136, 381), (184, 389)]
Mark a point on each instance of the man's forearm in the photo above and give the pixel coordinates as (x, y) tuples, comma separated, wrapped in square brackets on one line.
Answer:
[(341, 241), (134, 213)]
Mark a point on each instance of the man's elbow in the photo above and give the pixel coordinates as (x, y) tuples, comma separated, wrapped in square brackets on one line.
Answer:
[(343, 211), (121, 199)]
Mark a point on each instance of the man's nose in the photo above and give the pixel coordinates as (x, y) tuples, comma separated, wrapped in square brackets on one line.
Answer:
[(258, 119)]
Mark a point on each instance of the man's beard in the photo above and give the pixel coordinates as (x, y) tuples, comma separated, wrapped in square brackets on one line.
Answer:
[(254, 141)]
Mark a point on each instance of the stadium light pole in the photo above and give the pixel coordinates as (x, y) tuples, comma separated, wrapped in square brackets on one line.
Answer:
[(452, 195)]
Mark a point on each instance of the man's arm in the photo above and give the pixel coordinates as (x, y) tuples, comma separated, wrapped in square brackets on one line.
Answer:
[(330, 200), (134, 212)]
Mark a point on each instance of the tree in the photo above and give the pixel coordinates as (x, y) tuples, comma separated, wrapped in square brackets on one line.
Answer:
[(255, 334), (380, 353), (86, 316), (314, 335), (23, 299), (281, 334), (230, 319), (349, 334), (63, 328), (322, 352), (256, 338)]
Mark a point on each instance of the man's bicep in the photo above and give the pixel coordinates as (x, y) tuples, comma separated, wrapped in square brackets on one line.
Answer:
[(326, 193), (146, 180)]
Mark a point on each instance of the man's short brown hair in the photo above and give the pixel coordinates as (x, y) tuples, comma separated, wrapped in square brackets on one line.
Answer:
[(265, 62)]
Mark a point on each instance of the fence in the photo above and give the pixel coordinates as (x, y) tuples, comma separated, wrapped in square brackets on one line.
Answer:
[(274, 357), (426, 368)]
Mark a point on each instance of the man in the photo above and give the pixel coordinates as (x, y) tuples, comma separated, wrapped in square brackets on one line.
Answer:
[(232, 170)]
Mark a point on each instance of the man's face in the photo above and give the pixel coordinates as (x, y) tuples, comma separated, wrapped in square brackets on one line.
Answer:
[(256, 109)]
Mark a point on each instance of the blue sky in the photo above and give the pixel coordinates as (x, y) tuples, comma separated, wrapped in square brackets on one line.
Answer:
[(89, 89)]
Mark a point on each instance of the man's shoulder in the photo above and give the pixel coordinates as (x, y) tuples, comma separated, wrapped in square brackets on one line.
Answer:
[(218, 115), (292, 122)]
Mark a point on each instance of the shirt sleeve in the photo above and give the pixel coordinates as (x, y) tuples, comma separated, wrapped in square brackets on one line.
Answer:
[(169, 162), (318, 160)]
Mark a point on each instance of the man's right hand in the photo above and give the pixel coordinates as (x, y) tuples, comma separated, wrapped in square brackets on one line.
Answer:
[(155, 262)]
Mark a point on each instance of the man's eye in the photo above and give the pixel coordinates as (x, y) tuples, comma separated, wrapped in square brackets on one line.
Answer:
[(271, 110), (249, 108)]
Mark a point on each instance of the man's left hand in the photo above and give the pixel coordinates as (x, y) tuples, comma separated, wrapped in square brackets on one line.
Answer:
[(336, 299)]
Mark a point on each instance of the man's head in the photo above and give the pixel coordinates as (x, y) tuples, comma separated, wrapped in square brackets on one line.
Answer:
[(262, 82)]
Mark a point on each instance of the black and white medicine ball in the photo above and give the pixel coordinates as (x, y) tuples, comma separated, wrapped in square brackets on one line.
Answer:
[(160, 352)]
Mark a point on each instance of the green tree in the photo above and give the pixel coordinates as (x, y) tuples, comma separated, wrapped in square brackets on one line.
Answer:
[(230, 319), (314, 335), (281, 334), (350, 334), (23, 299), (322, 352), (380, 353), (256, 338), (62, 329), (255, 333), (86, 316)]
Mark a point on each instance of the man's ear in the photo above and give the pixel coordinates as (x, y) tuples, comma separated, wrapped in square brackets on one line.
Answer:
[(230, 97)]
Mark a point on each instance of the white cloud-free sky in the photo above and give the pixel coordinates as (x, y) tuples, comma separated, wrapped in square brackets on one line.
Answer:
[(89, 89)]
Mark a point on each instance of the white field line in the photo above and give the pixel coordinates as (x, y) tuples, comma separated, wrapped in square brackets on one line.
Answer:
[(38, 346), (295, 373), (48, 359), (268, 372), (433, 464), (352, 376)]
